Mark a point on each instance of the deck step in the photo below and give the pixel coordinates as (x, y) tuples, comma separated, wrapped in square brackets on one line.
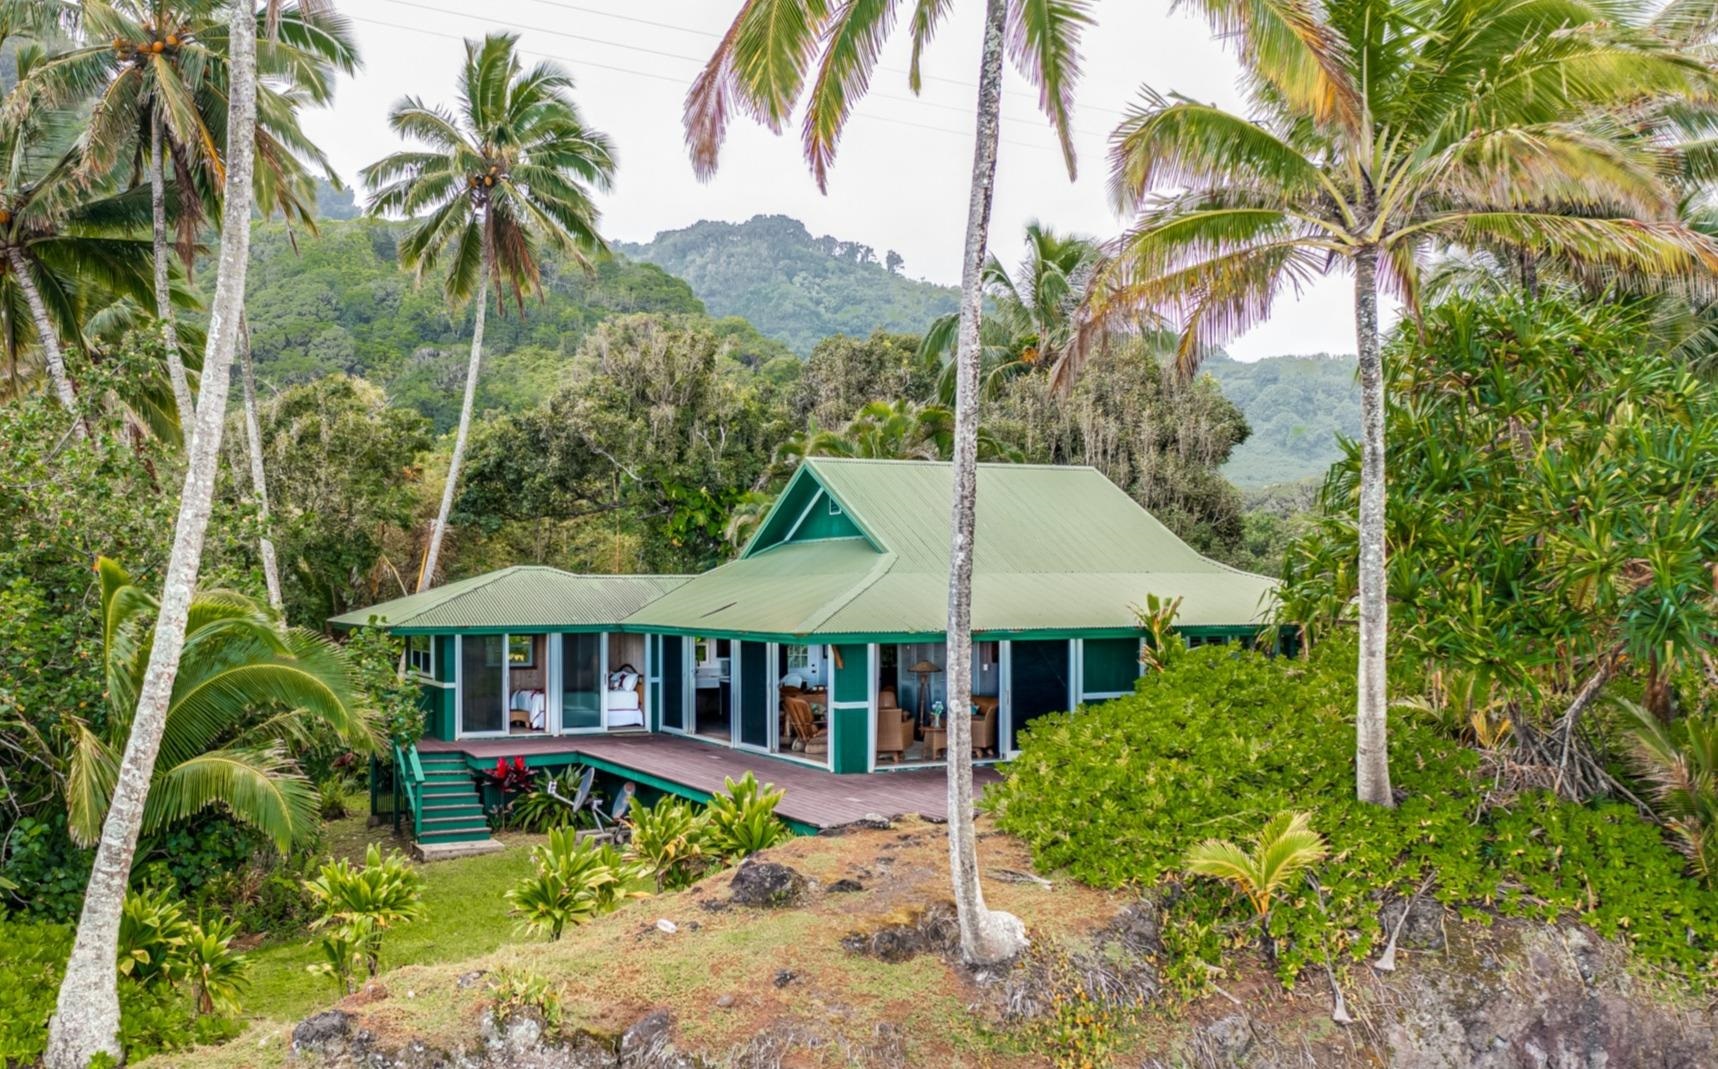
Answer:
[(432, 839), (435, 829), (449, 790)]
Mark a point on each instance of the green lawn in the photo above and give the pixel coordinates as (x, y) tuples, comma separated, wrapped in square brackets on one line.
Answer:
[(467, 917)]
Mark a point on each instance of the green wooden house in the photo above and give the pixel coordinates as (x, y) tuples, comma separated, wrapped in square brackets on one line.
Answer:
[(822, 642)]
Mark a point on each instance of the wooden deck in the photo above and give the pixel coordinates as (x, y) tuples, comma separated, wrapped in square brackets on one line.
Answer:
[(814, 798)]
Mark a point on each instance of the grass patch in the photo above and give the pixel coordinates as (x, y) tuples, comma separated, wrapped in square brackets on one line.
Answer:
[(467, 917), (717, 974)]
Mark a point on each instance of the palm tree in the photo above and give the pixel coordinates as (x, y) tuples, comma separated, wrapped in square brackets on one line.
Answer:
[(514, 168), (1284, 847), (762, 64), (243, 689), (85, 1024), (1030, 315), (60, 246), (1375, 136), (159, 73)]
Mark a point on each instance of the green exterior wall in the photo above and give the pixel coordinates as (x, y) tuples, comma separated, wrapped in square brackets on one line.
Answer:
[(821, 523), (850, 729), (437, 702), (1111, 665)]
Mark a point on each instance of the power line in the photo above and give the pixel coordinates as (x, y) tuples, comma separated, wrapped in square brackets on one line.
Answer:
[(699, 60), (709, 34), (681, 81)]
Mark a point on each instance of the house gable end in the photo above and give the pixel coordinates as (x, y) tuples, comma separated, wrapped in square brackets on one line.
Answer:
[(807, 511)]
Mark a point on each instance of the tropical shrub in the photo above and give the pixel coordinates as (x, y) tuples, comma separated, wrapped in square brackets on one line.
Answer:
[(153, 931), (671, 840), (357, 908), (576, 880), (1541, 520), (32, 961), (1225, 739), (537, 810), (741, 821), (217, 972), (374, 656)]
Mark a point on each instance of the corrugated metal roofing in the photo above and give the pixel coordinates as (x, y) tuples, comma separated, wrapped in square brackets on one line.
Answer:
[(524, 597), (1058, 548)]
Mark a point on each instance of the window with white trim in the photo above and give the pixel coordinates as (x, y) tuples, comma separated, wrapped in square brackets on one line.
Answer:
[(420, 655), (798, 658)]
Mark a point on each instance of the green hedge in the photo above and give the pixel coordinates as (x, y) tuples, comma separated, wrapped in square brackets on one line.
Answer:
[(1223, 740)]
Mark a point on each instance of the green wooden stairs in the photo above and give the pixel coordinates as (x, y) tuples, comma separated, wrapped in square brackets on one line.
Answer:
[(445, 805)]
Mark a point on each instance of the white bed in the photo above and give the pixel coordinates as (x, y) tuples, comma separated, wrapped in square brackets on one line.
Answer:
[(623, 701)]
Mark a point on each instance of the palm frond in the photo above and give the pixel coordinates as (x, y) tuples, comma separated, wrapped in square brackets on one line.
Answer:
[(1044, 42), (260, 788)]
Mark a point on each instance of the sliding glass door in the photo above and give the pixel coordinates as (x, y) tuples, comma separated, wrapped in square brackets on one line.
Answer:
[(672, 667), (581, 682), (482, 684), (756, 688)]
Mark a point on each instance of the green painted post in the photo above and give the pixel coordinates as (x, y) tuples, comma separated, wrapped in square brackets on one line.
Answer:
[(850, 710)]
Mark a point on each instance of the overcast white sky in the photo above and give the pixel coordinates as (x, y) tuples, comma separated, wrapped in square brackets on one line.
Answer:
[(900, 181)]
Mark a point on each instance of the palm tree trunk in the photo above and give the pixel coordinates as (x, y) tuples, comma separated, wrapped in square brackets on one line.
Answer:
[(163, 288), (986, 936), (86, 1019), (259, 484), (48, 335), (426, 578), (1371, 752)]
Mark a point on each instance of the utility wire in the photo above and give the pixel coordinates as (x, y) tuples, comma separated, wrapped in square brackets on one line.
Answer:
[(707, 33), (682, 81), (699, 60)]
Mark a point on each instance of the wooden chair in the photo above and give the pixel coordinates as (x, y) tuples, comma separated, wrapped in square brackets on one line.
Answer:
[(803, 727)]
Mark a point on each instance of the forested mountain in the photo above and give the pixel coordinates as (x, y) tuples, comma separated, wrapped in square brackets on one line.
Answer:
[(792, 286), (338, 301), (1296, 406)]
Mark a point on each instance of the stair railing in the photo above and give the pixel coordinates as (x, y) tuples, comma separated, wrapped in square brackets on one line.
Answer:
[(409, 774)]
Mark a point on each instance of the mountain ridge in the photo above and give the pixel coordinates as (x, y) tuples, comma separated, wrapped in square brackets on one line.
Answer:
[(792, 286)]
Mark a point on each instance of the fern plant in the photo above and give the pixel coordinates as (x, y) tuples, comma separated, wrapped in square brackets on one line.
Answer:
[(671, 840), (1282, 848), (1679, 762), (575, 881), (359, 906), (742, 820)]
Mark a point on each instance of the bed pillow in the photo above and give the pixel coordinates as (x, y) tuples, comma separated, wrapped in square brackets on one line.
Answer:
[(628, 680)]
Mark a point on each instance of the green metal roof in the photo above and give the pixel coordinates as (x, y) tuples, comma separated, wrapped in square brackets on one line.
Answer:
[(522, 598), (1058, 548)]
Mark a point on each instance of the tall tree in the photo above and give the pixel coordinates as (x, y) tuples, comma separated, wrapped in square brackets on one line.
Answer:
[(1380, 129), (60, 243), (762, 64), (513, 168), (86, 1019), (159, 73)]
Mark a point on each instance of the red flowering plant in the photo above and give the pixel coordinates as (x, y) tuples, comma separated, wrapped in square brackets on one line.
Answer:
[(503, 783)]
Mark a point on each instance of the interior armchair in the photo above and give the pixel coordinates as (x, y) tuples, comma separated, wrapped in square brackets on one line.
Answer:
[(894, 726), (984, 726)]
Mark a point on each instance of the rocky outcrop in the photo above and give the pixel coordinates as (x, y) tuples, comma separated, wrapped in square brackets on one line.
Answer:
[(1516, 995)]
